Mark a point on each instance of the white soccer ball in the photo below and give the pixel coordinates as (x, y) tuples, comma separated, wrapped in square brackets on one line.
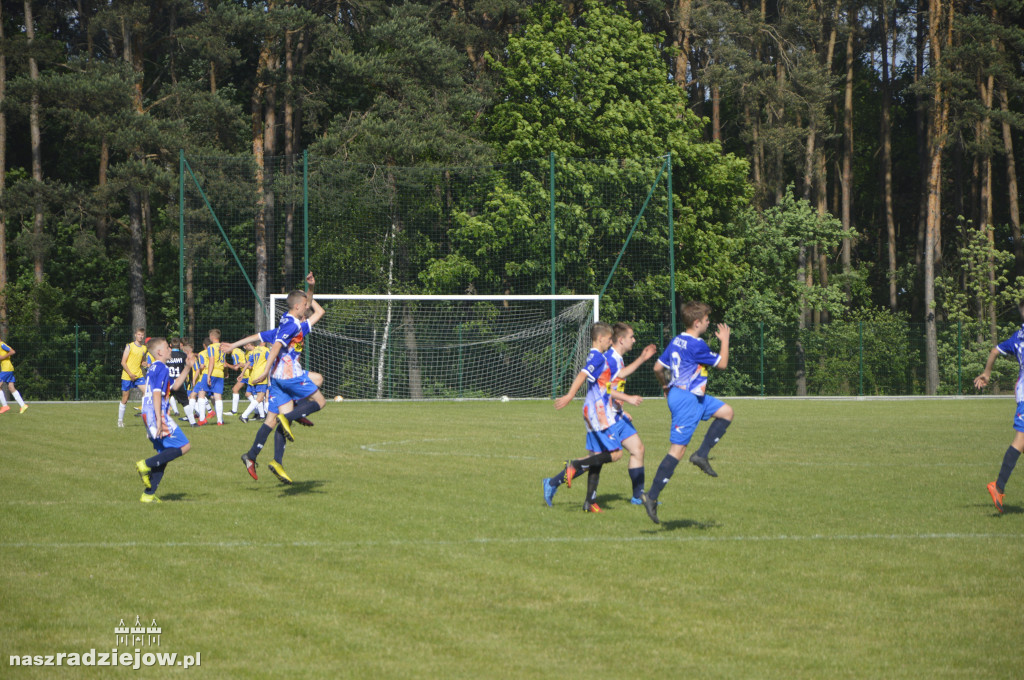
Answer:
[(338, 398), (504, 397)]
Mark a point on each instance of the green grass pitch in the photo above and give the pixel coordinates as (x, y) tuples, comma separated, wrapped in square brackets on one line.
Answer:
[(842, 539)]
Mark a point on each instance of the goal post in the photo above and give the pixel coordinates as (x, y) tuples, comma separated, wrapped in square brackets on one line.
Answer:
[(447, 346)]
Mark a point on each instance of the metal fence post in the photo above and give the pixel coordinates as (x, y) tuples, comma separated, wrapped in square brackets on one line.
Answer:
[(860, 359), (76, 362), (760, 326), (551, 219), (959, 357)]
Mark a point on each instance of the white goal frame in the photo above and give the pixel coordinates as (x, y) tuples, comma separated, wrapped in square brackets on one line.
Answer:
[(595, 301)]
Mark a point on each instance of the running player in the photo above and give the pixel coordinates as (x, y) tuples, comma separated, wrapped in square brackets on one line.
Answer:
[(168, 440)]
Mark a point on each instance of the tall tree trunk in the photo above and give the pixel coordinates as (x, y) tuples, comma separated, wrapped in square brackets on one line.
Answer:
[(847, 179), (985, 197), (3, 183), (716, 113), (890, 214), (938, 123), (681, 40), (289, 153), (412, 355), (36, 142), (1013, 202), (147, 221), (923, 145), (269, 151), (103, 218), (136, 292), (261, 321)]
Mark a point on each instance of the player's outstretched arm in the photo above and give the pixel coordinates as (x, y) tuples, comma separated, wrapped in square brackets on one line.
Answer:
[(252, 338), (645, 354), (982, 380), (564, 400), (623, 398)]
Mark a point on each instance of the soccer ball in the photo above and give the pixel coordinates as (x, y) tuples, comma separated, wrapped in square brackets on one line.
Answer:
[(504, 397), (338, 398)]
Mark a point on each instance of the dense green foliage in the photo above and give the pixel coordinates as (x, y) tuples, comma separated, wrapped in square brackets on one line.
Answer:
[(429, 128)]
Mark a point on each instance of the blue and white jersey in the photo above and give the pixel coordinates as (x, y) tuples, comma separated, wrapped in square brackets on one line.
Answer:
[(290, 332), (158, 379), (1015, 345), (615, 366), (688, 359), (597, 409)]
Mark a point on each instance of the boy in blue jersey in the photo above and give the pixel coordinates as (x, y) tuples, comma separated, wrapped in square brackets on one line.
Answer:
[(290, 384), (605, 429), (167, 438), (7, 379), (1012, 346), (682, 371), (623, 340)]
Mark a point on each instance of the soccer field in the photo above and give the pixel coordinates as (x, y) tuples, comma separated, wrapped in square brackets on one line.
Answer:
[(841, 539)]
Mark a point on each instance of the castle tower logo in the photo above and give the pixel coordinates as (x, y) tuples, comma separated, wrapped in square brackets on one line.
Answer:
[(137, 635)]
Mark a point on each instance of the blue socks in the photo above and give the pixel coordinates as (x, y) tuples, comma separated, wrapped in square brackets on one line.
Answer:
[(1009, 461), (158, 464), (261, 439), (661, 477), (715, 431), (279, 444), (636, 476)]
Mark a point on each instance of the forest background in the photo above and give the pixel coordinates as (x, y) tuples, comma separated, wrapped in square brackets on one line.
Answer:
[(837, 165)]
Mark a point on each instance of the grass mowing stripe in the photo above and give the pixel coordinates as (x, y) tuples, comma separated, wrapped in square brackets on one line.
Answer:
[(345, 545)]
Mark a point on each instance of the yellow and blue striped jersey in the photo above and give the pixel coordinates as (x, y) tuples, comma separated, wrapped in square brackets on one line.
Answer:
[(214, 361), (260, 355)]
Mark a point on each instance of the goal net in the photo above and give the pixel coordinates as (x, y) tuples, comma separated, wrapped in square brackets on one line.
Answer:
[(447, 347)]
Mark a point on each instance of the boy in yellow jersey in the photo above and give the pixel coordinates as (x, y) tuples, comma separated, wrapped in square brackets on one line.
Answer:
[(214, 374), (236, 362), (132, 374), (195, 375), (7, 378), (257, 366)]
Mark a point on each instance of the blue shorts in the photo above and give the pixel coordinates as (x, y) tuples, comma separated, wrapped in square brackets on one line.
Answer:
[(259, 389), (215, 385), (127, 385), (687, 411), (202, 385), (1018, 418), (245, 381), (175, 440), (610, 438), (293, 389), (7, 377)]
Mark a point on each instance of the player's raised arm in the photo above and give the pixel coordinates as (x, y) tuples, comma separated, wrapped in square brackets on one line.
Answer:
[(722, 334), (645, 354), (317, 314)]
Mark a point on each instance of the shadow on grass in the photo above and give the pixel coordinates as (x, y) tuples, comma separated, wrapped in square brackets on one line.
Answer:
[(297, 488), (173, 497), (675, 524)]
